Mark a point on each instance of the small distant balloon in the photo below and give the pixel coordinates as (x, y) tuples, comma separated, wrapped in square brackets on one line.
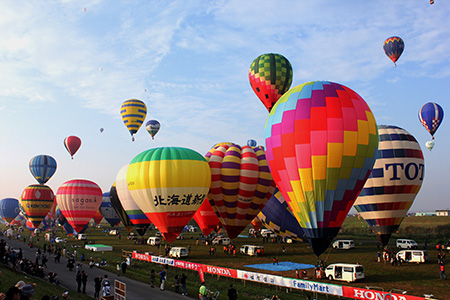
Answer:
[(133, 112), (84, 9), (101, 130), (429, 145), (431, 1), (431, 115), (393, 48), (100, 69), (72, 144), (251, 143), (152, 127)]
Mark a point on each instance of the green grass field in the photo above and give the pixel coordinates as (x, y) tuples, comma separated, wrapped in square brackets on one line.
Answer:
[(416, 279)]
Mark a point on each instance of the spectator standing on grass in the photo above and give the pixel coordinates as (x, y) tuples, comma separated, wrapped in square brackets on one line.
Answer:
[(106, 286), (378, 256), (442, 271), (162, 278), (118, 269), (84, 278), (203, 291), (152, 278), (97, 286), (124, 267), (232, 293), (183, 284), (78, 279)]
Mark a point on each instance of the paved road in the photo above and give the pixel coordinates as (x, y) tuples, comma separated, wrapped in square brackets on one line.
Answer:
[(136, 290)]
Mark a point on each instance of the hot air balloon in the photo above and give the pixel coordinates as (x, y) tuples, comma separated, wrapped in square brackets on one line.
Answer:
[(270, 77), (393, 47), (107, 210), (30, 226), (169, 184), (72, 144), (101, 130), (152, 127), (395, 180), (278, 217), (37, 201), (60, 217), (133, 112), (115, 202), (429, 145), (134, 212), (79, 200), (42, 167), (9, 209), (206, 218), (256, 223), (251, 143), (98, 216), (84, 9), (240, 185), (321, 139), (431, 116)]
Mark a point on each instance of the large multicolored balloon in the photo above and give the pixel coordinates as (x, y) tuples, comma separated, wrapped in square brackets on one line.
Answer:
[(278, 217), (79, 200), (115, 202), (240, 184), (321, 139), (72, 144), (42, 167), (393, 47), (206, 218), (37, 200), (133, 112), (270, 76), (108, 211), (431, 116), (395, 180), (9, 209), (134, 212), (169, 184), (152, 127)]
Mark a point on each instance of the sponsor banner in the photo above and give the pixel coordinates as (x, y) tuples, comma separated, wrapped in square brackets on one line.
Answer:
[(261, 277), (219, 271), (188, 265), (163, 260), (365, 294), (140, 256), (317, 287)]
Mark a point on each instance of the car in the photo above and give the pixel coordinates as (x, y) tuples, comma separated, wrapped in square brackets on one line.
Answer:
[(132, 236), (114, 232), (344, 244), (178, 252), (344, 272), (81, 236), (252, 250), (406, 244), (59, 240), (413, 256), (221, 241)]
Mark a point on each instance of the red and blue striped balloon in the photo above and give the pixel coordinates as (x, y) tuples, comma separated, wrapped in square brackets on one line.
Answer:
[(431, 116)]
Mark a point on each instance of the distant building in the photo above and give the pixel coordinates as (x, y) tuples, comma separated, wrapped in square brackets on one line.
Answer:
[(443, 212), (425, 214)]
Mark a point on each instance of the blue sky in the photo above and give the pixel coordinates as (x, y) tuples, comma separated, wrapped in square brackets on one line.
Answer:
[(188, 61)]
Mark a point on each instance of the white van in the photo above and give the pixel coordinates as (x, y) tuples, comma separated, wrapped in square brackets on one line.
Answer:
[(252, 250), (81, 236), (406, 244), (345, 272), (154, 241), (344, 244), (268, 233), (413, 256), (221, 241), (178, 252)]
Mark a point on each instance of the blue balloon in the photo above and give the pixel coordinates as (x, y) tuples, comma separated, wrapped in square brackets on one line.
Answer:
[(42, 167), (251, 143), (107, 210), (431, 116), (9, 209)]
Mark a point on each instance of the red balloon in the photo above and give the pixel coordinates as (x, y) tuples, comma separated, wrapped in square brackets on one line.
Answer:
[(72, 144), (206, 218), (98, 217)]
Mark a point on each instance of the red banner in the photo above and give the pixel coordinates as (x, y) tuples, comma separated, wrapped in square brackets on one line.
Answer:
[(140, 256), (220, 271), (188, 265), (365, 294)]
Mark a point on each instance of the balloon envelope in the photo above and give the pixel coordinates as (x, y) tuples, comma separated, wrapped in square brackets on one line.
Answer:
[(393, 47), (394, 182), (321, 139), (42, 167), (169, 184), (251, 143), (278, 217), (133, 112), (98, 216), (206, 218), (152, 127), (240, 185), (115, 202), (9, 209), (431, 116), (37, 201), (429, 145), (107, 210), (72, 144), (79, 200), (270, 77)]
